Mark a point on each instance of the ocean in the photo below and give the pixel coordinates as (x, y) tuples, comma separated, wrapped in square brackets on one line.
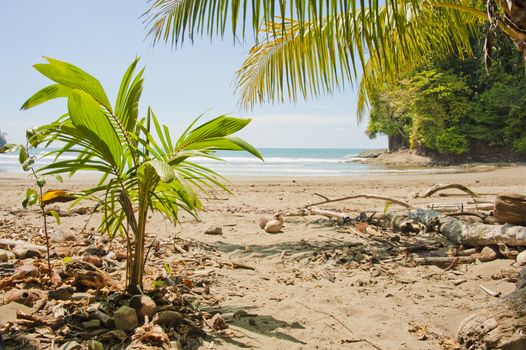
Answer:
[(278, 162)]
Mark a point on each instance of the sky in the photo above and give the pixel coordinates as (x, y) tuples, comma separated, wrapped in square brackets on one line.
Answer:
[(103, 37)]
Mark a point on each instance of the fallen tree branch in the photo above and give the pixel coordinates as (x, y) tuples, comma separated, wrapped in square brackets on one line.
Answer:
[(470, 234), (439, 187), (367, 196)]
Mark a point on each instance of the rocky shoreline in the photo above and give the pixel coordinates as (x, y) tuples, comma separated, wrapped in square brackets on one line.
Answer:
[(411, 159)]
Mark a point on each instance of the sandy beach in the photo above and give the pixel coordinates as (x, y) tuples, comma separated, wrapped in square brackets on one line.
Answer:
[(301, 294)]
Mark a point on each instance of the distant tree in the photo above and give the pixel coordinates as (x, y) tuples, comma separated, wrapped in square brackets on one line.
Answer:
[(3, 139)]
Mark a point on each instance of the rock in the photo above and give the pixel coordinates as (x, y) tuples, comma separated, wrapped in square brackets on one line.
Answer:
[(91, 324), (6, 255), (275, 225), (125, 318), (214, 230), (167, 317), (111, 256), (521, 259), (70, 345), (263, 222), (487, 254), (144, 305), (59, 236), (61, 293), (95, 345)]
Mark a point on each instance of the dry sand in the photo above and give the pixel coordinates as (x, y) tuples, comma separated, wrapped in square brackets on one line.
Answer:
[(301, 301)]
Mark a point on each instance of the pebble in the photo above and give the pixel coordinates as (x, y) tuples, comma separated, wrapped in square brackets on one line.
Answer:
[(91, 324), (521, 259), (487, 254), (25, 253), (214, 230), (125, 318), (144, 305), (59, 236)]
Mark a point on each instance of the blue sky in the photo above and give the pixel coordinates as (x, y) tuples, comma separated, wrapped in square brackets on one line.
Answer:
[(103, 37)]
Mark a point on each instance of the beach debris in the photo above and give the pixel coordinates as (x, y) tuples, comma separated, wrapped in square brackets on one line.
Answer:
[(510, 208), (152, 335), (88, 275), (275, 225), (167, 318), (356, 196), (125, 318), (217, 322), (26, 297), (214, 230), (95, 345), (420, 331), (440, 187), (490, 292)]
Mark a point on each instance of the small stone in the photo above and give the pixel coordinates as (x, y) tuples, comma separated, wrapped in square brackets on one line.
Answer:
[(59, 236), (275, 225), (95, 345), (487, 254), (125, 318), (61, 293), (91, 324), (214, 230), (144, 305), (111, 256), (521, 259), (167, 317)]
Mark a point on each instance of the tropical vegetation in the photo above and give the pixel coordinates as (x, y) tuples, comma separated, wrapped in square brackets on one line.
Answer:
[(142, 168), (306, 48), (453, 107)]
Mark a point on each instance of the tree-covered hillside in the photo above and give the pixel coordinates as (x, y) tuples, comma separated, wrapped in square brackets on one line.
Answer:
[(454, 107)]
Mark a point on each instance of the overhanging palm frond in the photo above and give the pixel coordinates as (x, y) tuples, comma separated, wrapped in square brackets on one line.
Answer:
[(327, 56)]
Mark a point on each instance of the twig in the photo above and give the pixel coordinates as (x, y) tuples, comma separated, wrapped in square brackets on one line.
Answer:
[(490, 291), (467, 213), (438, 187), (322, 196), (362, 340), (237, 265), (367, 196)]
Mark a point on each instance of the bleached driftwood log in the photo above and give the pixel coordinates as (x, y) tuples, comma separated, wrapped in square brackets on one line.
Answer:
[(499, 325), (366, 196), (510, 208), (469, 233)]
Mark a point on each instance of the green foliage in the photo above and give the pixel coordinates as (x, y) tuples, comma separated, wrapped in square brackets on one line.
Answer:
[(451, 105), (141, 168)]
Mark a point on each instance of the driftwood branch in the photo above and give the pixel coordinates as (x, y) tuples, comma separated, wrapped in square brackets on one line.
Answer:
[(440, 187), (367, 196)]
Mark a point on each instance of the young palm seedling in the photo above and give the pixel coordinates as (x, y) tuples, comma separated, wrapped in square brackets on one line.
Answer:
[(141, 167)]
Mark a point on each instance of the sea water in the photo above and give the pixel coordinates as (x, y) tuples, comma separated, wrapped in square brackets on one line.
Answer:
[(277, 162)]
